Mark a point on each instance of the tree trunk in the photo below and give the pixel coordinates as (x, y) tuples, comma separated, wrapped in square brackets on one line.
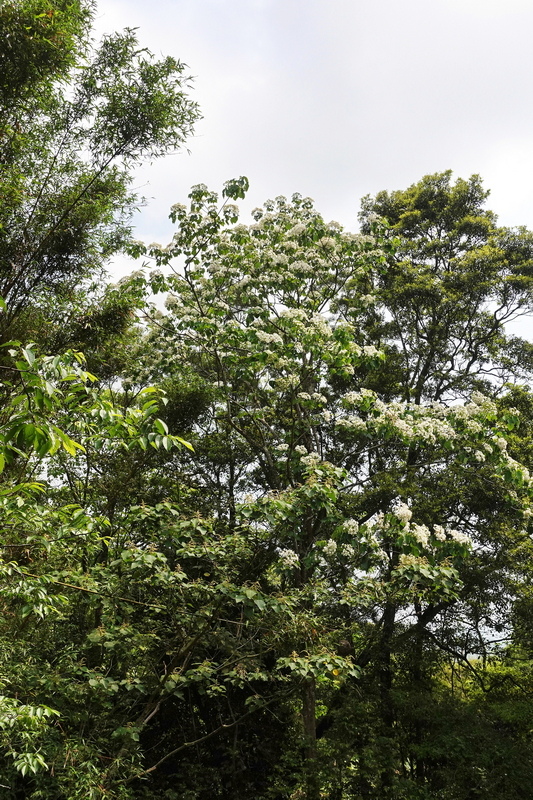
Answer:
[(310, 748), (387, 705)]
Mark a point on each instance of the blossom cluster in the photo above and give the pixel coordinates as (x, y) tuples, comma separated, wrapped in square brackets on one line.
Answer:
[(433, 423), (289, 558), (330, 548)]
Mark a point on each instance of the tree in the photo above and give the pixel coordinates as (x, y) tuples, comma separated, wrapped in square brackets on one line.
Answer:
[(51, 546), (351, 495), (453, 279), (75, 121)]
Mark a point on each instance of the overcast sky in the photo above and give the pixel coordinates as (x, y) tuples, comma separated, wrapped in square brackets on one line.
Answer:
[(336, 99)]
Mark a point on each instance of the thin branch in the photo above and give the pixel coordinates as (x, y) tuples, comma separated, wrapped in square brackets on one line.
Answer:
[(224, 726), (89, 591)]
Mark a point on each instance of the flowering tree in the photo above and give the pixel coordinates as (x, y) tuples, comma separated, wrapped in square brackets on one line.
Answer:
[(346, 496), (216, 615)]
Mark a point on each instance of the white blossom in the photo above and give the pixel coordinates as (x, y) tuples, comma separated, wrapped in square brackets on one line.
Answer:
[(402, 512), (289, 558), (351, 526), (351, 398), (421, 534), (269, 338), (296, 230), (330, 548), (310, 459), (301, 266), (320, 325), (352, 423), (458, 536), (439, 533), (171, 301), (473, 426), (478, 398), (293, 313)]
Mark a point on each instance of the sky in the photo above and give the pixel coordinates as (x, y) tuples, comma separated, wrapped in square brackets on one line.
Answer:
[(337, 99)]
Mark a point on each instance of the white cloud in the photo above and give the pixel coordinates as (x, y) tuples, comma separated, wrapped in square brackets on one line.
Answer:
[(339, 98)]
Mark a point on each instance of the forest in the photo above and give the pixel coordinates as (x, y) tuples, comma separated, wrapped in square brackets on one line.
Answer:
[(266, 502)]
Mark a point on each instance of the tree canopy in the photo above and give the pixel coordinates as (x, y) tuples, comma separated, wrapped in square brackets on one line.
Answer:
[(272, 540), (74, 122)]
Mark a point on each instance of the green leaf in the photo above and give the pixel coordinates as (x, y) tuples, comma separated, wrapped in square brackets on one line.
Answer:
[(29, 355), (161, 426)]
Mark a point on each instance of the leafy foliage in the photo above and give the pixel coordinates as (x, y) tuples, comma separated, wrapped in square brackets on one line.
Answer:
[(273, 541), (74, 122)]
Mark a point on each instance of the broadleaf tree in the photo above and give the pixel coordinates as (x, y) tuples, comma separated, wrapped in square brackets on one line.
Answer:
[(76, 119), (366, 501)]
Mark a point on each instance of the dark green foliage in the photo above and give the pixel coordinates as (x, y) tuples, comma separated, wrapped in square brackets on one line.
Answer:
[(41, 41), (258, 617), (74, 122), (452, 280)]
